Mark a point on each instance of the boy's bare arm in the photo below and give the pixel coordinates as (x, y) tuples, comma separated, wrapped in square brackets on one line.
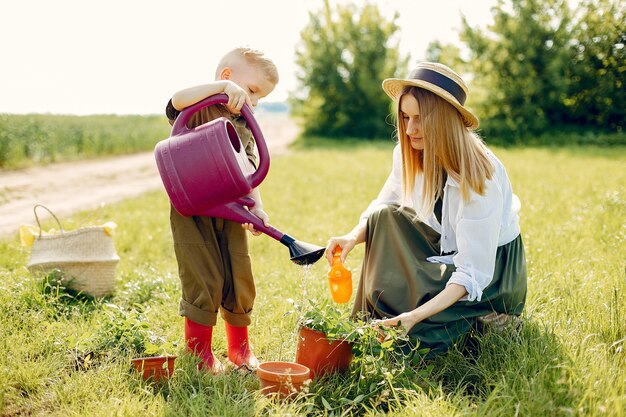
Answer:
[(256, 196), (189, 96), (258, 211)]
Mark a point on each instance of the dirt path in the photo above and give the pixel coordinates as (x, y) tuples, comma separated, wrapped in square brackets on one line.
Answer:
[(69, 187)]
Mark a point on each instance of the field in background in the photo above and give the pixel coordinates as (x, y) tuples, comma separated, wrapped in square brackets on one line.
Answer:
[(39, 139), (32, 139), (68, 356)]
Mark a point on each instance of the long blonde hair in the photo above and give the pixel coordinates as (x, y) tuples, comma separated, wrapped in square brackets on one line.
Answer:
[(449, 147)]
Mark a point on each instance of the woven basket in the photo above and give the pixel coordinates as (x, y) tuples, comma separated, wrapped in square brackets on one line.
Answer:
[(86, 257)]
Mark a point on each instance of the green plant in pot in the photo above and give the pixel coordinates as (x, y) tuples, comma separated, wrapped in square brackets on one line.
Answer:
[(326, 338), (128, 331), (374, 358), (121, 332), (157, 362)]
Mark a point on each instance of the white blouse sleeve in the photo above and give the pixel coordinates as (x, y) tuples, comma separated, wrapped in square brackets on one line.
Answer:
[(391, 193), (477, 241)]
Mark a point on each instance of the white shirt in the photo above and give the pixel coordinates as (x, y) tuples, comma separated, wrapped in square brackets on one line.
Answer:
[(473, 230)]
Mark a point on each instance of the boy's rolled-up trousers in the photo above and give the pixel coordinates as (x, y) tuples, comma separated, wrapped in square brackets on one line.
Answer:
[(214, 269)]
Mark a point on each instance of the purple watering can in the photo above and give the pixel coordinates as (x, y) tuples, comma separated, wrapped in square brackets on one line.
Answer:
[(201, 170)]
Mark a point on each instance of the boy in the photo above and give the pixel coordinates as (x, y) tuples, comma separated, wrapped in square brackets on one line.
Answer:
[(212, 253)]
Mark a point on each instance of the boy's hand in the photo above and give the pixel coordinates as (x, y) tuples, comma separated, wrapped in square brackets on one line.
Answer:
[(257, 211), (236, 97)]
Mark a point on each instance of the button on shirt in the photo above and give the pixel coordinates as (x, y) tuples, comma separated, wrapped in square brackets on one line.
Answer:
[(472, 231)]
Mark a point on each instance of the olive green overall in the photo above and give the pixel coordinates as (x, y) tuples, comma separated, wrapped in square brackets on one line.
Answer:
[(396, 278)]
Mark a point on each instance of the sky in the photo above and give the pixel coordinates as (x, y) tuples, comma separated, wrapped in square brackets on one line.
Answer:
[(129, 56)]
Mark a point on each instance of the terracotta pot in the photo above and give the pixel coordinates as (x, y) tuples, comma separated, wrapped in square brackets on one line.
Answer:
[(155, 367), (320, 355), (282, 378)]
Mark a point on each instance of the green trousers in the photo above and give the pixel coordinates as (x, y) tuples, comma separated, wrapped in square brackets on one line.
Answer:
[(396, 278), (214, 269)]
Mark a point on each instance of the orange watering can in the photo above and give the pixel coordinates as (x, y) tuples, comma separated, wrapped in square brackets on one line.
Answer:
[(339, 279)]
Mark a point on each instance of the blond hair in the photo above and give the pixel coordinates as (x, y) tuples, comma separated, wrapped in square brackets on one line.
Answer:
[(449, 146), (252, 57)]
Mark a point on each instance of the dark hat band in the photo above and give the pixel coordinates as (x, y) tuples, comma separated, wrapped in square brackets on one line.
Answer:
[(440, 81)]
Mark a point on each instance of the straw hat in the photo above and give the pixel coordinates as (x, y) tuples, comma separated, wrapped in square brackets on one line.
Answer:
[(438, 79)]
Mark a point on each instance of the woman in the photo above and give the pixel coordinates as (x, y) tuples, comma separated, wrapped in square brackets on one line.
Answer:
[(443, 249)]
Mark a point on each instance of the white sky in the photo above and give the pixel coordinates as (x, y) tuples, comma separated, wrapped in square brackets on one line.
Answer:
[(129, 56)]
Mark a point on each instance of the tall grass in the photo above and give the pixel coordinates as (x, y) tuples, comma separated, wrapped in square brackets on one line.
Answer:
[(61, 354), (40, 138)]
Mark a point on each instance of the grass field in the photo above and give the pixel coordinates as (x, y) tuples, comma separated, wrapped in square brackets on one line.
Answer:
[(37, 139), (64, 355)]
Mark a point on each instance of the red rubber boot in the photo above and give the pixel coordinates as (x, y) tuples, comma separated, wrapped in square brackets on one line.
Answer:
[(239, 349), (198, 339)]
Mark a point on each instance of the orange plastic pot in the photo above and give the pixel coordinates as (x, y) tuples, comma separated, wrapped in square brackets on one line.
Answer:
[(320, 355), (155, 367), (282, 378)]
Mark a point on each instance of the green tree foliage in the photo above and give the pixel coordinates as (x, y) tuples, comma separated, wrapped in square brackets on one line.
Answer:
[(597, 70), (344, 55), (519, 60), (446, 54), (545, 66)]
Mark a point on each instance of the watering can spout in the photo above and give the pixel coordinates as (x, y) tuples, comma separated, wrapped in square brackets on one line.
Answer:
[(302, 253)]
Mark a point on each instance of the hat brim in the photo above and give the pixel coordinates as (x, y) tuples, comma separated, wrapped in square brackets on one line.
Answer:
[(393, 87)]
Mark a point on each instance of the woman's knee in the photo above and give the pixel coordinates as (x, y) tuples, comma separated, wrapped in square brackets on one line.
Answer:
[(384, 212)]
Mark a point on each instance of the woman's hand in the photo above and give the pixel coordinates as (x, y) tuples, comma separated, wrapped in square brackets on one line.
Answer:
[(237, 96), (257, 211), (405, 320), (450, 295), (345, 242)]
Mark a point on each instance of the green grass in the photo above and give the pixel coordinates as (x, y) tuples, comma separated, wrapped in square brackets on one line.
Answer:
[(33, 139), (64, 355)]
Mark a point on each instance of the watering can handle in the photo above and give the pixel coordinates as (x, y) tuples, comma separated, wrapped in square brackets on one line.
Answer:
[(180, 126)]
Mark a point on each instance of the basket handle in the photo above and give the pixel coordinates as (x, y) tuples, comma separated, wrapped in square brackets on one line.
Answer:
[(49, 211)]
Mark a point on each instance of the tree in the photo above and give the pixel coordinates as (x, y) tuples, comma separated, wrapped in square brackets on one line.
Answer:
[(344, 55), (519, 61), (597, 93), (543, 66), (446, 54)]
